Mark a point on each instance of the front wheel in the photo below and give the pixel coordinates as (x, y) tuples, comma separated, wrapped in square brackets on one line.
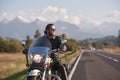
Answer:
[(33, 77)]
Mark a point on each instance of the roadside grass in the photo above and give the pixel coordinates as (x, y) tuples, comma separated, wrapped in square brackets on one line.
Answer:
[(13, 65), (67, 58), (114, 50), (17, 76)]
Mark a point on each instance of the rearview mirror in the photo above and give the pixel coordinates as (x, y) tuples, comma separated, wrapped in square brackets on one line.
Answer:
[(25, 51), (63, 42), (23, 42), (63, 47)]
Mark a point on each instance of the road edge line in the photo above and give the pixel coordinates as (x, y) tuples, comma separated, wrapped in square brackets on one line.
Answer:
[(73, 69)]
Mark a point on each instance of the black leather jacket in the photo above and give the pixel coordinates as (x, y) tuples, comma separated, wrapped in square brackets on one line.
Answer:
[(55, 43)]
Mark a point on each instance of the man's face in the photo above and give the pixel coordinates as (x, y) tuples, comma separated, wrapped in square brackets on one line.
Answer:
[(51, 31)]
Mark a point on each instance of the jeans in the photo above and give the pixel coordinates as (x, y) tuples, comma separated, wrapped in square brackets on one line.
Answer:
[(58, 66)]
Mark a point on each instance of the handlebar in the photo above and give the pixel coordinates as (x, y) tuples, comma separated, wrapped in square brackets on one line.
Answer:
[(54, 51)]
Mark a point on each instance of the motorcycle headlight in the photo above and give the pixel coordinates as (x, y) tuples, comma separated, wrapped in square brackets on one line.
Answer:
[(37, 58)]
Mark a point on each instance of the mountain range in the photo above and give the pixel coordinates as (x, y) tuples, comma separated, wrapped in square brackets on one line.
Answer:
[(19, 28)]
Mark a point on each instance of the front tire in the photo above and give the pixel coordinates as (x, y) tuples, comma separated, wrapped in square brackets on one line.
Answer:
[(33, 77)]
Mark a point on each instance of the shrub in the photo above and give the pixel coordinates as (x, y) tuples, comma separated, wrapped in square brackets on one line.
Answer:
[(10, 45), (72, 45)]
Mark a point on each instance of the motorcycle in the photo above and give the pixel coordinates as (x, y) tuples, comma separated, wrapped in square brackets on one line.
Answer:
[(41, 62)]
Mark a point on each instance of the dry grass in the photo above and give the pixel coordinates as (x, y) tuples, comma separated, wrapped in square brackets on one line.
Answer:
[(11, 63), (69, 58), (114, 50)]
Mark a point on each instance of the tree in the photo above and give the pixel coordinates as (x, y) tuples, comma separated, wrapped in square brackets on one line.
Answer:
[(2, 45), (96, 45), (10, 45), (119, 39), (64, 36), (13, 46), (28, 41), (72, 45), (37, 34)]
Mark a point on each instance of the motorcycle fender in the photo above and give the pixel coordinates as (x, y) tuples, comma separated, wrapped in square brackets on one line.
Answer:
[(34, 72)]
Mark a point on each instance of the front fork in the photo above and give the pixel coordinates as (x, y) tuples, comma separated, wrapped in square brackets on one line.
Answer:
[(43, 78)]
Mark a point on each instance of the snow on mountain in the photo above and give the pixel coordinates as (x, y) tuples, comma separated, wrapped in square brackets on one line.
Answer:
[(4, 21), (19, 19)]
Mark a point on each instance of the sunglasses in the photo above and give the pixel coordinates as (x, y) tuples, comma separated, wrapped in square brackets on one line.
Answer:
[(53, 29)]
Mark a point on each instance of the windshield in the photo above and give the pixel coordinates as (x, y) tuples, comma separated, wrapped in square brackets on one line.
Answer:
[(39, 46), (39, 50), (41, 42)]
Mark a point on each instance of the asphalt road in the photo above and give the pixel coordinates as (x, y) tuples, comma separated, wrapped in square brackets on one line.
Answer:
[(97, 66)]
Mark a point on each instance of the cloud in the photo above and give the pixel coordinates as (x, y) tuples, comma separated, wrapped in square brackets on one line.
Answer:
[(55, 10), (48, 14), (43, 11), (51, 13), (42, 18), (62, 14), (75, 19), (50, 9), (72, 19), (66, 17), (22, 13), (114, 14), (96, 23), (3, 15), (7, 15)]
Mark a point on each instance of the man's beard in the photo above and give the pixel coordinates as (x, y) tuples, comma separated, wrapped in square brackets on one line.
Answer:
[(52, 35)]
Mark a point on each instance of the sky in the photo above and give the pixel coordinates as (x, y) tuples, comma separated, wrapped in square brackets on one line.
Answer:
[(73, 11)]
